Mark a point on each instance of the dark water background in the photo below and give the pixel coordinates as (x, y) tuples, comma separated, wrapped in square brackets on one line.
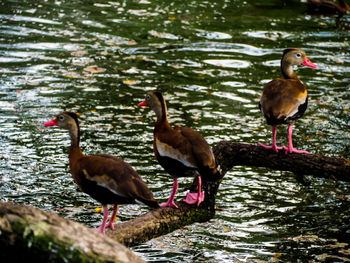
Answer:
[(211, 60)]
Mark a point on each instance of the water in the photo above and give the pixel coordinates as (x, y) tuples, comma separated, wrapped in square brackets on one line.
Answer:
[(211, 60)]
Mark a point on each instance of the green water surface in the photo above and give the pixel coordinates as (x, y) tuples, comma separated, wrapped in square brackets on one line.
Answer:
[(210, 59)]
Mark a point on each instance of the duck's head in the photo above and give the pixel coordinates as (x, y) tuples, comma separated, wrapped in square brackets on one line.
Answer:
[(156, 102), (65, 120), (295, 56)]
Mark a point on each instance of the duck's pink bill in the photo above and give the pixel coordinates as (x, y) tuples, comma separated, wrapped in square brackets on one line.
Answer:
[(51, 123), (308, 63), (142, 104)]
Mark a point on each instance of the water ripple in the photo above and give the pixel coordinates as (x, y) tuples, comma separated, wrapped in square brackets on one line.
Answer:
[(211, 61)]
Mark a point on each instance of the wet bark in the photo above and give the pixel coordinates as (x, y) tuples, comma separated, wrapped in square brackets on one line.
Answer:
[(28, 234), (45, 237), (231, 154), (158, 222)]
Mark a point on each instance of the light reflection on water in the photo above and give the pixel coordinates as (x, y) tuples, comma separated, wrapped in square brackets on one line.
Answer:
[(211, 69)]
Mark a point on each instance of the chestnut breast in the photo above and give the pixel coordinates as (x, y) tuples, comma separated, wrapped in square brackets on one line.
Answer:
[(282, 98)]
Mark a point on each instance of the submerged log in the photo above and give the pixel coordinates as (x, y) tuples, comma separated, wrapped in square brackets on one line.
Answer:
[(45, 237)]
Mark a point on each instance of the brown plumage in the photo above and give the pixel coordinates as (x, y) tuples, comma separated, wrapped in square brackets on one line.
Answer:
[(327, 7), (104, 177), (285, 100), (180, 151)]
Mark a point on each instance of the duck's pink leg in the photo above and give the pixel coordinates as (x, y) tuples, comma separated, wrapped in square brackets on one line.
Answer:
[(195, 198), (114, 214), (274, 146), (290, 148), (105, 217), (171, 202)]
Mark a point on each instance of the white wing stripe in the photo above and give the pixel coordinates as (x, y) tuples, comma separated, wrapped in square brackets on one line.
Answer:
[(301, 102), (165, 150)]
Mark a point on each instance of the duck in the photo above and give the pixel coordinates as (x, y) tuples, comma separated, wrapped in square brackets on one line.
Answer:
[(105, 178), (284, 100), (181, 151), (327, 7)]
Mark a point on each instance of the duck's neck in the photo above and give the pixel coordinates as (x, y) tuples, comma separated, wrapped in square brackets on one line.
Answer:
[(74, 133), (288, 71), (162, 114)]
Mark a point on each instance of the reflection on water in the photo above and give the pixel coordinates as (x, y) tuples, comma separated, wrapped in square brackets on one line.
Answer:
[(210, 59)]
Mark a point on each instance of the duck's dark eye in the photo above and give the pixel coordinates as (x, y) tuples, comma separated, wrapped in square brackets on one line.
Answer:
[(148, 97), (298, 55), (61, 117)]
